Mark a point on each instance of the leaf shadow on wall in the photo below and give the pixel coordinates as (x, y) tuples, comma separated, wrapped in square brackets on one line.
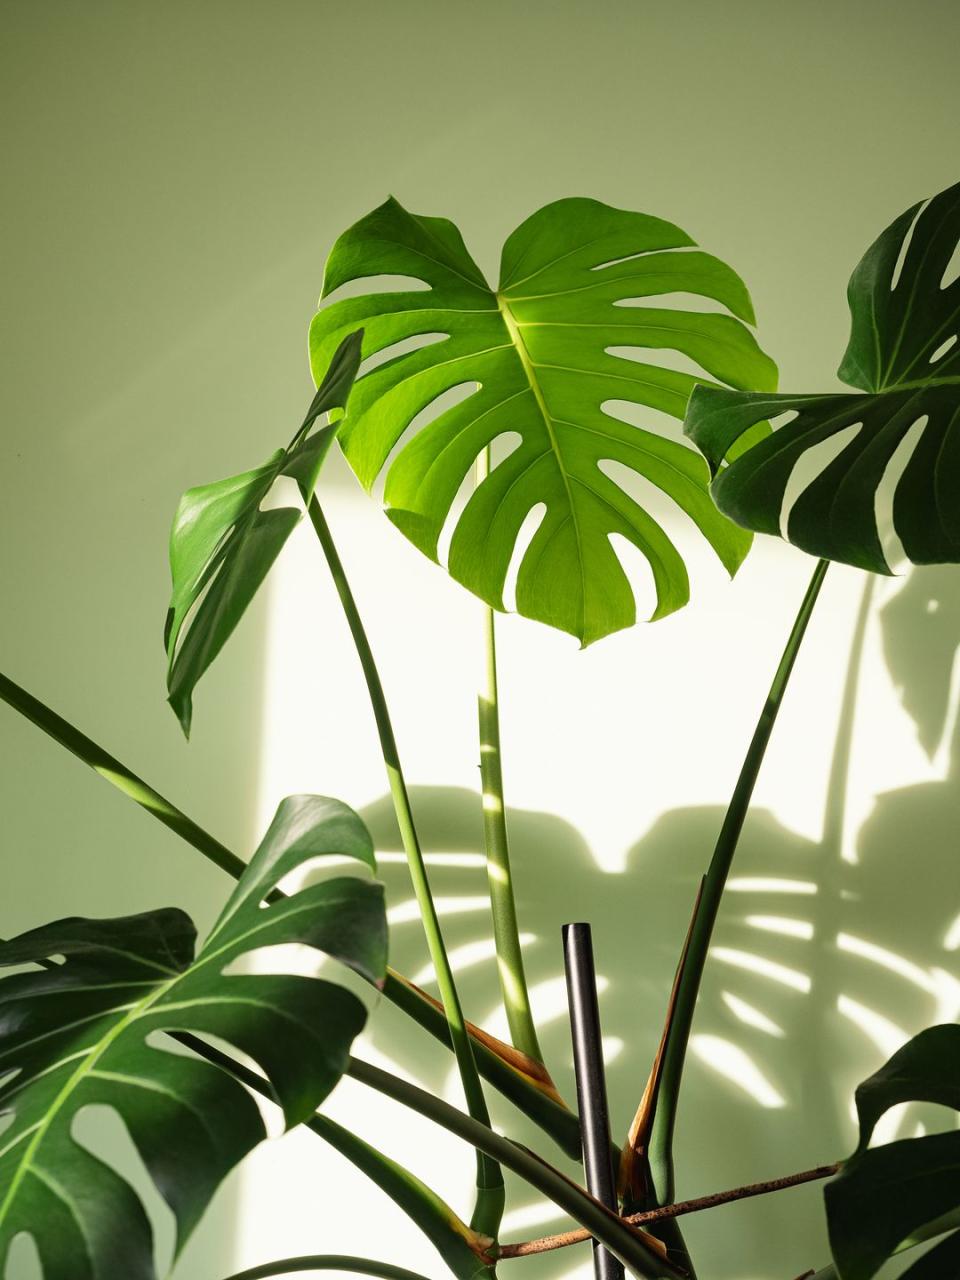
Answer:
[(820, 966)]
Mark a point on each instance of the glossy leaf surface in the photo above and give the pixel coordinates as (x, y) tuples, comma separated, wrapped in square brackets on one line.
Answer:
[(538, 363), (76, 1034), (940, 1263), (885, 1195), (862, 478), (223, 544)]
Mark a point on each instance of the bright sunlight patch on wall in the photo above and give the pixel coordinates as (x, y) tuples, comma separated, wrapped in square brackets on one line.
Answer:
[(618, 761)]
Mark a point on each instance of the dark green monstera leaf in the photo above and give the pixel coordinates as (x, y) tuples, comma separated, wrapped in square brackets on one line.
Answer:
[(539, 363), (886, 1195), (858, 478), (76, 1034), (222, 544)]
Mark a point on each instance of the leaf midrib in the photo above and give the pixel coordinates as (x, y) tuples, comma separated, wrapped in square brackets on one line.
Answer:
[(94, 1055), (26, 1160), (516, 337)]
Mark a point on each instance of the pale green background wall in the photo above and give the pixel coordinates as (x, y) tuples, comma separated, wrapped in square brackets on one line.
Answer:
[(173, 175)]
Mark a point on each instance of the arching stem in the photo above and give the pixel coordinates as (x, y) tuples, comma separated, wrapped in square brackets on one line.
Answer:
[(664, 1122), (490, 1189)]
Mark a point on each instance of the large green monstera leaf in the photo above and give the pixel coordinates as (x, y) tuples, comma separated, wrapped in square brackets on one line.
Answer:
[(858, 478), (539, 361), (885, 1197), (76, 1034)]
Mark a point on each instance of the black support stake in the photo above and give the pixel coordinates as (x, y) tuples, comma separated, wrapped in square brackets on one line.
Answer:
[(591, 1082)]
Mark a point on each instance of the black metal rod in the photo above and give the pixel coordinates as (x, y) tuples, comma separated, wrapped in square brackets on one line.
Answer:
[(591, 1082)]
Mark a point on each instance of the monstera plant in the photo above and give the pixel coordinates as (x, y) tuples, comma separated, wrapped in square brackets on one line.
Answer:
[(542, 357), (870, 477), (531, 421)]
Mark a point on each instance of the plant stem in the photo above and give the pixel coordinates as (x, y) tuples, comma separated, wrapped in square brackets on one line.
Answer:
[(490, 1190), (117, 773), (556, 1120), (533, 1095), (463, 1249), (599, 1221), (622, 1239), (328, 1262), (506, 932), (560, 1241), (664, 1123)]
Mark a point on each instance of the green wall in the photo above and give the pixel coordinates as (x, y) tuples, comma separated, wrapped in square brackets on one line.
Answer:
[(174, 174)]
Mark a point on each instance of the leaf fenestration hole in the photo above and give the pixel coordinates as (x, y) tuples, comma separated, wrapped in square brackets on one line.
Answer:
[(665, 358), (890, 542), (498, 453), (23, 1260), (402, 348), (679, 300), (362, 285), (525, 535), (943, 348), (952, 270), (905, 248), (812, 463), (632, 257), (502, 446), (440, 404), (642, 416), (639, 574), (325, 866), (102, 1131), (6, 1076), (679, 526), (296, 959)]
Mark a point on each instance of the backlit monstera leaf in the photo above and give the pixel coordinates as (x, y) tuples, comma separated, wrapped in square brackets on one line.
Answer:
[(845, 466), (76, 1034), (541, 361)]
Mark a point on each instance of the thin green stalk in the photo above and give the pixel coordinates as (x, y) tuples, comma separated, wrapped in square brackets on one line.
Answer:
[(506, 930), (490, 1189), (661, 1141), (561, 1124), (117, 773), (328, 1262)]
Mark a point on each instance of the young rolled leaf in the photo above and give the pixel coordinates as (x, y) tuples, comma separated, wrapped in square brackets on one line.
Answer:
[(222, 544), (538, 358), (885, 1195), (822, 479), (76, 1034)]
